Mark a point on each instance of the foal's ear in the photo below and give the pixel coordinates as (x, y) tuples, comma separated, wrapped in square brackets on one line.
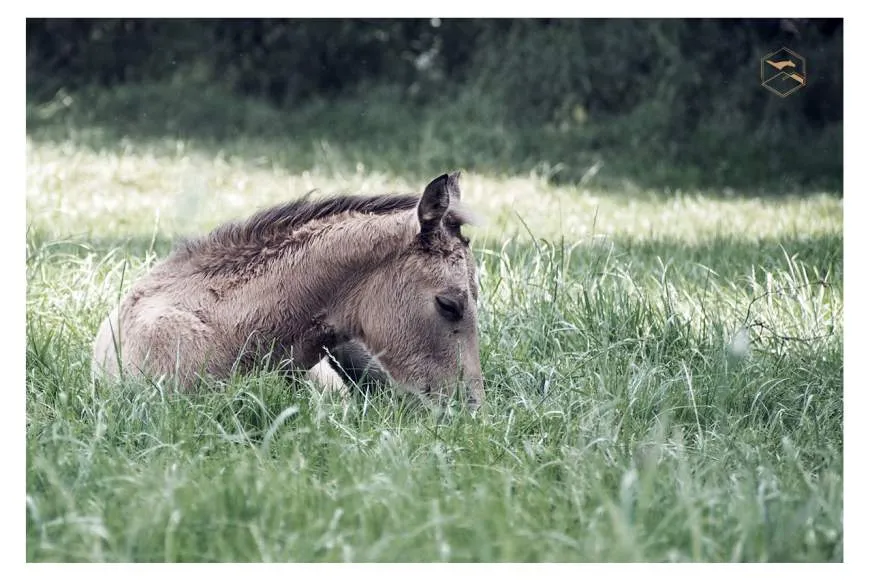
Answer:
[(433, 204)]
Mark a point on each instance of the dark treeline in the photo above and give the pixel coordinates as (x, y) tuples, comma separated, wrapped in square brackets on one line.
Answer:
[(684, 88)]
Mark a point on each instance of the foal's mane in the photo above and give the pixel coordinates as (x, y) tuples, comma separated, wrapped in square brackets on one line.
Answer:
[(266, 225), (240, 245)]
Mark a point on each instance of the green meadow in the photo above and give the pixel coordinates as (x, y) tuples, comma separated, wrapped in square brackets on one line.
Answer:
[(664, 366)]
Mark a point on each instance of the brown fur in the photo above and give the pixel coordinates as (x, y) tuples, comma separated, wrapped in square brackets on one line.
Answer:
[(386, 277)]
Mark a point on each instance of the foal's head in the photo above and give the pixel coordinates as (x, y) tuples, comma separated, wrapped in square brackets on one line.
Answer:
[(419, 315)]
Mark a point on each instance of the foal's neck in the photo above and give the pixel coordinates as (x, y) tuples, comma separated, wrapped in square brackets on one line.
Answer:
[(315, 284)]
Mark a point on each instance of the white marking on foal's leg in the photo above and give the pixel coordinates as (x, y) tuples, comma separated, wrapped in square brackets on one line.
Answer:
[(330, 381)]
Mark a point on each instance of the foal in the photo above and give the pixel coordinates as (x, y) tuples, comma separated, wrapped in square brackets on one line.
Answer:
[(389, 278)]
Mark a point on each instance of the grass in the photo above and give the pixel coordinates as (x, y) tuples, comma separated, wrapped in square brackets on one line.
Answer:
[(384, 129), (664, 373)]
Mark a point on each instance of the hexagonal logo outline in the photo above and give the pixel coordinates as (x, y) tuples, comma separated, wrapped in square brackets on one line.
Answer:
[(789, 67)]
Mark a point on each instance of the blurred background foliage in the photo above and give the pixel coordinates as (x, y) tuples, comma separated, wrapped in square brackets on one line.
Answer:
[(666, 103)]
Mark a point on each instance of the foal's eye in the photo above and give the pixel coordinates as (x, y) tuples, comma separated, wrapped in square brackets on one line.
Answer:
[(450, 308)]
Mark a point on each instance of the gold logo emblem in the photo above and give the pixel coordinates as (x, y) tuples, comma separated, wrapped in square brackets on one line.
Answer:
[(783, 72)]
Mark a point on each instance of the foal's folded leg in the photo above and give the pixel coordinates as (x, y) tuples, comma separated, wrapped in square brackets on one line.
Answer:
[(329, 380), (353, 361)]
